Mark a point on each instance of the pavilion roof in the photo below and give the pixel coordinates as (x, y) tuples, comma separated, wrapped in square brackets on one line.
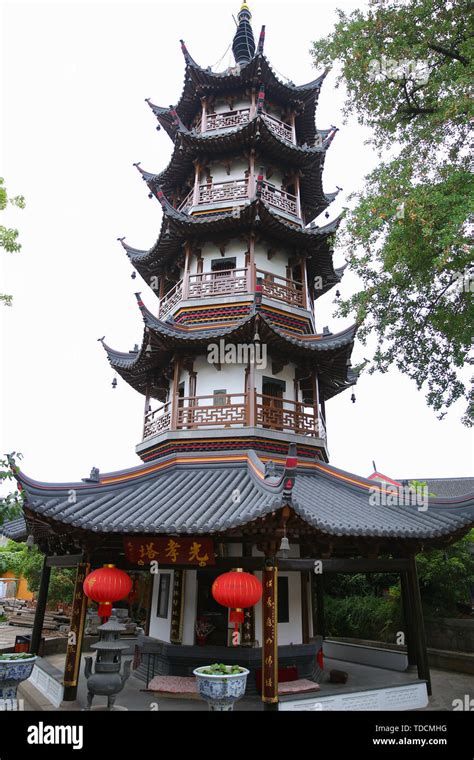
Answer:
[(189, 144), (328, 353), (314, 242), (193, 494), (199, 82)]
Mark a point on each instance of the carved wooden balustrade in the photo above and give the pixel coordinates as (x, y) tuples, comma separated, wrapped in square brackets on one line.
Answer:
[(280, 199), (219, 192), (158, 421), (284, 414), (238, 118), (225, 282), (227, 119), (235, 409), (282, 289), (233, 282), (169, 301)]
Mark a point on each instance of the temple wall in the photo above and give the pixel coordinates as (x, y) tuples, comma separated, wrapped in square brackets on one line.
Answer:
[(190, 603), (160, 626)]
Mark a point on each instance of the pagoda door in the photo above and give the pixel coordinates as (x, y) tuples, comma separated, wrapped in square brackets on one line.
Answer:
[(272, 392)]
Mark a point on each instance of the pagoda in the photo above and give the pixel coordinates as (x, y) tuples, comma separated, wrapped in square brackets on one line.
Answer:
[(235, 376), (231, 357)]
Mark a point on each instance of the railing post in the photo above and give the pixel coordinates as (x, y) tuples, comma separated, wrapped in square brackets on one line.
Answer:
[(293, 128)]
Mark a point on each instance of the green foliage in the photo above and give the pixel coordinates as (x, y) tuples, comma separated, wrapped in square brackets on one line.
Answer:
[(407, 235), (11, 504), (8, 236), (28, 562), (361, 617), (446, 577)]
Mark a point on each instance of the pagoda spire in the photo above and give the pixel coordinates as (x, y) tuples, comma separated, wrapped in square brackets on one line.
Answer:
[(243, 45)]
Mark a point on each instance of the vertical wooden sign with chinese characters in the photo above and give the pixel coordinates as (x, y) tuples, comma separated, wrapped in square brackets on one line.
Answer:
[(270, 635), (177, 607), (76, 631)]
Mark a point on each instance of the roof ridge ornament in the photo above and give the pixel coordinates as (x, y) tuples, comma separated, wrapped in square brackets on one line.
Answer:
[(261, 41)]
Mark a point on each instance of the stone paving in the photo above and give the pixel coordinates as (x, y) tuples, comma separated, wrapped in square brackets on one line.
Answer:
[(447, 686)]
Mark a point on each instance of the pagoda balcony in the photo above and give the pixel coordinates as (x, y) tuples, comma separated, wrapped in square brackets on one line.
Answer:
[(222, 192), (230, 119), (229, 282), (235, 410), (239, 190)]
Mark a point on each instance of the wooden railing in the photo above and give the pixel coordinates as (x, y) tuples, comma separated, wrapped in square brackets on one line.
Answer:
[(280, 199), (224, 282), (218, 192), (227, 119), (283, 414), (233, 282), (280, 128), (275, 286), (238, 118), (235, 409), (187, 203), (158, 421), (192, 413), (173, 297)]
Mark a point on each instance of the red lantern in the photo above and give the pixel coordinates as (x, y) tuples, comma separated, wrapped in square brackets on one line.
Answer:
[(237, 590), (106, 585)]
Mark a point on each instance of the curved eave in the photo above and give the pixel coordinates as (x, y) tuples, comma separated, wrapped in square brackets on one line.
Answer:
[(199, 82), (329, 353), (177, 227), (189, 145), (185, 496)]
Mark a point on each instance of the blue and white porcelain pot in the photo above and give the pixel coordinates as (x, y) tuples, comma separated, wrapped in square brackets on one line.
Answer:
[(221, 691), (12, 672)]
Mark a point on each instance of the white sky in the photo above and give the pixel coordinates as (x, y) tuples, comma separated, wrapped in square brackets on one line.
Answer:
[(75, 75)]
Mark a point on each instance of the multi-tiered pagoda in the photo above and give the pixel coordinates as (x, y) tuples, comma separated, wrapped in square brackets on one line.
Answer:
[(236, 374)]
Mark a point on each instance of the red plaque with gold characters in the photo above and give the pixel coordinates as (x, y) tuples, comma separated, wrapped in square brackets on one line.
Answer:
[(176, 550), (270, 635)]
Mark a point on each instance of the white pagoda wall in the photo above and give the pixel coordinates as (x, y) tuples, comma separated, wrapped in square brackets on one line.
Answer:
[(160, 627)]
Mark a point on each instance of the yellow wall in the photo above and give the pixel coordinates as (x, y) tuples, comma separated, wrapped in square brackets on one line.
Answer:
[(22, 587)]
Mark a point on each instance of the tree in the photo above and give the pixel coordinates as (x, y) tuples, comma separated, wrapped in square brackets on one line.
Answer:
[(8, 236), (11, 504), (406, 66), (28, 562)]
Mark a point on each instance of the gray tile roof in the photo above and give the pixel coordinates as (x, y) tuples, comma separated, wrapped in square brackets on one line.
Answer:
[(14, 529), (202, 497), (448, 488)]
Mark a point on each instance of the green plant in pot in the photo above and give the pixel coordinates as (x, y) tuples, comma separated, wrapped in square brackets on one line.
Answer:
[(221, 685)]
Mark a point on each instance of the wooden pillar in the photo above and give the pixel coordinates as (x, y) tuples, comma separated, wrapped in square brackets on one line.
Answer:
[(40, 608), (204, 114), (248, 627), (305, 577), (187, 261), (251, 179), (418, 623), (174, 394), (293, 127), (298, 196), (147, 404), (197, 175), (251, 396), (177, 606), (304, 283), (410, 636), (252, 267), (253, 107), (76, 634), (317, 598), (270, 635)]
